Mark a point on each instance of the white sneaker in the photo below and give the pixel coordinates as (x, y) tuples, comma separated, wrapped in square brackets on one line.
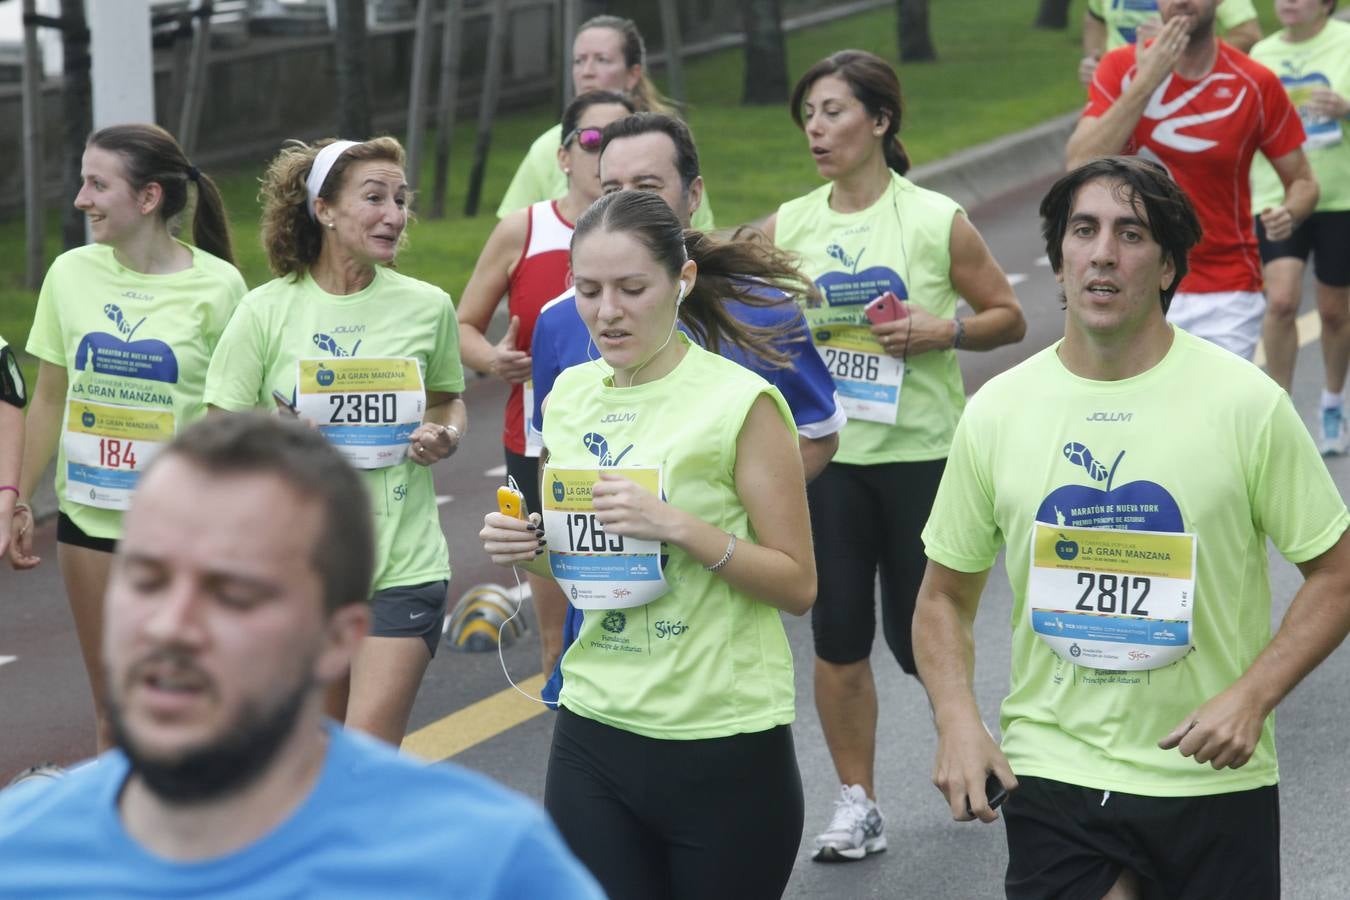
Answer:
[(1333, 439), (855, 829)]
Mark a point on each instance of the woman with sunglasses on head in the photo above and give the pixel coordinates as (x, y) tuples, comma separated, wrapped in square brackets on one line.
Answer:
[(608, 54), (870, 236), (526, 259), (124, 330), (675, 507), (371, 357)]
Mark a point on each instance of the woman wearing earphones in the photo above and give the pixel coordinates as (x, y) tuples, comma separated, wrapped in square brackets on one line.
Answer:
[(866, 233), (680, 526)]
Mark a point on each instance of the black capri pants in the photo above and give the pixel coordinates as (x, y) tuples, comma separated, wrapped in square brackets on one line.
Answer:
[(865, 520), (669, 819)]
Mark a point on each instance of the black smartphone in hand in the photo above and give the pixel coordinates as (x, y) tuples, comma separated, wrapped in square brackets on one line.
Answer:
[(994, 793)]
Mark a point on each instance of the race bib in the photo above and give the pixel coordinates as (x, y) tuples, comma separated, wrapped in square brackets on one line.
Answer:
[(534, 441), (594, 569), (867, 379), (107, 448), (1321, 132), (367, 408), (1110, 598)]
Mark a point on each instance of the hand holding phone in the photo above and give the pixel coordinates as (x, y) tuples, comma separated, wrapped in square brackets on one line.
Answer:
[(284, 404), (994, 794), (886, 308)]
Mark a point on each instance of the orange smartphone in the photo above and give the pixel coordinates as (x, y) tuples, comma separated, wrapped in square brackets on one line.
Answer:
[(510, 502)]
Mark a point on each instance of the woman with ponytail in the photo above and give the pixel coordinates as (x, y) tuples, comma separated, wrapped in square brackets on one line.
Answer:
[(124, 330), (675, 510), (870, 236), (608, 54)]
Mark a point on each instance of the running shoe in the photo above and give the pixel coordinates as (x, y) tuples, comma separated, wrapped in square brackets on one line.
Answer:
[(855, 829), (1334, 439)]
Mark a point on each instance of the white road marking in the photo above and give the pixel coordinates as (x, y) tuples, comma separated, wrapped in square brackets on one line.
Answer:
[(498, 472), (7, 659), (1043, 262), (442, 499), (1016, 278)]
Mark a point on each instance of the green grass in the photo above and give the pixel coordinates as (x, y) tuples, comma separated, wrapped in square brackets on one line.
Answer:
[(995, 74)]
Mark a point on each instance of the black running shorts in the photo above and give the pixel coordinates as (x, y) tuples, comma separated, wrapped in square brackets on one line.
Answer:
[(67, 532), (1072, 842), (415, 610), (1326, 235)]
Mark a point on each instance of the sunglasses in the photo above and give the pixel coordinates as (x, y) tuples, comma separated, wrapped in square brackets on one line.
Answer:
[(587, 138)]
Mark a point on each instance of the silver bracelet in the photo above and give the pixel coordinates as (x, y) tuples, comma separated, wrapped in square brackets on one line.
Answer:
[(454, 429), (726, 557)]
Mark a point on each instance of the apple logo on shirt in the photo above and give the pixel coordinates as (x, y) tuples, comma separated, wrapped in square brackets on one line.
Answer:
[(121, 354), (1133, 506), (854, 287)]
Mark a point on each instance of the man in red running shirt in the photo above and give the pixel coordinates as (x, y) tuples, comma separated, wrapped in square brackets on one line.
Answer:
[(1202, 109)]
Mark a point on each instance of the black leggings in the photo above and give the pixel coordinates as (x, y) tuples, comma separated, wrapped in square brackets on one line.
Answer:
[(869, 519), (655, 819)]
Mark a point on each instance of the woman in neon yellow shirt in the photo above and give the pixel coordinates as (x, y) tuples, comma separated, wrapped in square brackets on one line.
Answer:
[(608, 54), (675, 503), (371, 356), (1311, 54), (867, 233), (124, 329)]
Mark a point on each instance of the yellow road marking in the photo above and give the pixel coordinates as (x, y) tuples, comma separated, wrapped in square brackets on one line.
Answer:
[(506, 709), (476, 722), (1309, 327)]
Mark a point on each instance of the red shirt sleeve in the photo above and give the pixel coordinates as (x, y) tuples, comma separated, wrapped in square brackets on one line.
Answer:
[(1283, 132), (1106, 83)]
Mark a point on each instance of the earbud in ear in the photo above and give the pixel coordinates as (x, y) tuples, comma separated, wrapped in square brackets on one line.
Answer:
[(679, 298)]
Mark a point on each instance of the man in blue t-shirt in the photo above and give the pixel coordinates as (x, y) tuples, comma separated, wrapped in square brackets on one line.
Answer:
[(656, 153), (237, 595)]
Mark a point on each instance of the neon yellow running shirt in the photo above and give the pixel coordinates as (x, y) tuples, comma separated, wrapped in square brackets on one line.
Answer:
[(704, 660), (1123, 17), (1322, 62), (539, 178), (901, 243), (135, 349), (395, 316), (1202, 443)]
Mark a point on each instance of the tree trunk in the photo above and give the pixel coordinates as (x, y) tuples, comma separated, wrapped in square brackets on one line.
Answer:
[(766, 78), (916, 43), (353, 92), (77, 118), (1053, 14)]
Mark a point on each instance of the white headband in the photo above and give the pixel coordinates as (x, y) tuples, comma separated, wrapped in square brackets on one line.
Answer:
[(318, 173)]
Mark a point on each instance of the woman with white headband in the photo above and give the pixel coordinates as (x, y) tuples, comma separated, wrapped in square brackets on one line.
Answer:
[(124, 329), (371, 357)]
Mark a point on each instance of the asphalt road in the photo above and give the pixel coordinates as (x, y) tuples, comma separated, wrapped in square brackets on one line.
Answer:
[(45, 712)]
